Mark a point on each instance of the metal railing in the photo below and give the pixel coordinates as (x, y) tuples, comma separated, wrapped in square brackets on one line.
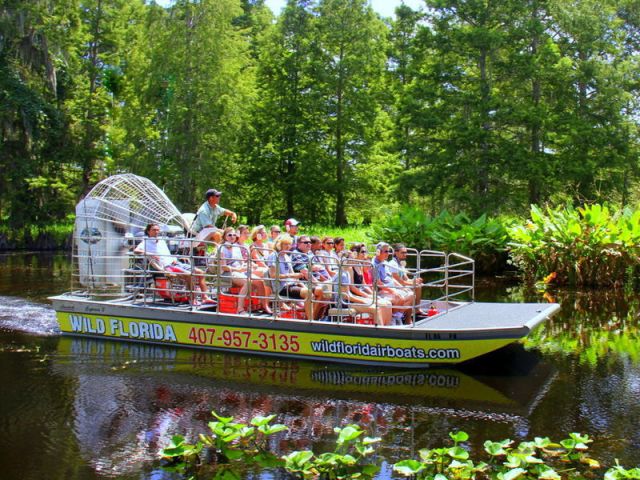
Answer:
[(436, 281)]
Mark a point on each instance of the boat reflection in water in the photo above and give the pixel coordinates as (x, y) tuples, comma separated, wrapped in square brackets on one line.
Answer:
[(131, 397)]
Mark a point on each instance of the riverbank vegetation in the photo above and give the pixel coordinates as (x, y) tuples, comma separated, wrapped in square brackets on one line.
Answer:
[(231, 448), (589, 246), (326, 112), (593, 245)]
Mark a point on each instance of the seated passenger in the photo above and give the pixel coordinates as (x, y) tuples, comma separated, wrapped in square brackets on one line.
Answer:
[(397, 267), (339, 247), (287, 282), (233, 265), (361, 269), (157, 250), (401, 298), (243, 237), (274, 232), (303, 260), (259, 252), (328, 257), (354, 295)]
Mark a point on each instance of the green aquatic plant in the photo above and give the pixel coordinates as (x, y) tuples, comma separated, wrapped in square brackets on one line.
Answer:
[(348, 460), (590, 245), (506, 461), (620, 473), (237, 447), (228, 443)]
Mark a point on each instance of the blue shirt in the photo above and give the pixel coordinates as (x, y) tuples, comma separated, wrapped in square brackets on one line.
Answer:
[(206, 215), (380, 272)]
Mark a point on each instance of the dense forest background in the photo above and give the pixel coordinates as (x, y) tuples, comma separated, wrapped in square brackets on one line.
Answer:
[(327, 112)]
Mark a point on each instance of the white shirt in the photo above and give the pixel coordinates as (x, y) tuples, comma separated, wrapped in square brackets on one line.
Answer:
[(158, 248)]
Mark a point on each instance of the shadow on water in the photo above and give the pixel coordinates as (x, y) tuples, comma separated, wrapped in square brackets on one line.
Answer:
[(102, 409)]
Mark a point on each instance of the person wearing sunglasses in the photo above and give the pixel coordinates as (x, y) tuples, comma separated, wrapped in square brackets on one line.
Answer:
[(401, 298), (328, 257), (304, 261), (359, 297), (398, 268), (208, 213), (287, 282), (234, 265), (157, 252), (362, 269)]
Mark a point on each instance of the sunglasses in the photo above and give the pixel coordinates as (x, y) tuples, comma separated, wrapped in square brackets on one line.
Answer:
[(330, 243), (305, 242)]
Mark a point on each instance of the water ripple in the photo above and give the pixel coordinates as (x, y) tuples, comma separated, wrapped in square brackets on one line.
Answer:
[(27, 316)]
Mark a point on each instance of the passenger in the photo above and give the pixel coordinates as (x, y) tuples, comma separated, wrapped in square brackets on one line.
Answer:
[(274, 232), (328, 257), (233, 265), (401, 298), (360, 249), (316, 244), (287, 281), (243, 237), (157, 250), (291, 227), (339, 246), (259, 252), (397, 267), (361, 268), (303, 259), (354, 295), (209, 212)]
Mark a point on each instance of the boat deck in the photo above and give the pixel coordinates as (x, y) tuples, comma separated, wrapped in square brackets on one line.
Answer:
[(494, 316)]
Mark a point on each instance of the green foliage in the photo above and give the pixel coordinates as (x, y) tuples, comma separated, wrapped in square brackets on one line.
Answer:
[(350, 234), (54, 236), (484, 239), (620, 473), (329, 113), (506, 461), (348, 460), (353, 455), (590, 245), (232, 445)]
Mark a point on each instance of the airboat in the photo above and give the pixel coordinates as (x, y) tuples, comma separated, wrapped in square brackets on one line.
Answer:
[(118, 294)]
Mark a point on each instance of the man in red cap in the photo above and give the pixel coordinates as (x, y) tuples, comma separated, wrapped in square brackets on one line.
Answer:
[(209, 212)]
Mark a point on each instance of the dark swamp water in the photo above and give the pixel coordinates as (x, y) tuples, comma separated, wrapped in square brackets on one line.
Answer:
[(81, 409)]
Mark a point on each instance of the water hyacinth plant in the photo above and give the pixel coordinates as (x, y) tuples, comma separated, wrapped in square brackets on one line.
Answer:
[(589, 246), (232, 448), (539, 459), (348, 460), (229, 445)]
